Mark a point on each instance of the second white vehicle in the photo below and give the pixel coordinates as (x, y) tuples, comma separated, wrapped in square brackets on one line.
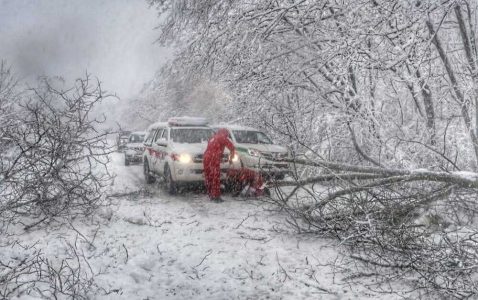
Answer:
[(258, 152), (175, 149)]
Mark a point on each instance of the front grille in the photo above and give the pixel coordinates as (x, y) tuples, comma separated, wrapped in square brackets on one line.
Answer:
[(275, 155), (135, 148), (281, 166), (200, 157)]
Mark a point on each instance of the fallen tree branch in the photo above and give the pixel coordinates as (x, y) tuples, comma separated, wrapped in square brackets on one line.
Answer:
[(328, 177), (461, 178)]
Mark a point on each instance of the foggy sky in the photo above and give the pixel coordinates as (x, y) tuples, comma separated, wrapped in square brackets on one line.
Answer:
[(111, 39)]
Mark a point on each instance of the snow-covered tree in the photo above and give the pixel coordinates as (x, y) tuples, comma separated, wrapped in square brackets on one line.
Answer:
[(380, 95)]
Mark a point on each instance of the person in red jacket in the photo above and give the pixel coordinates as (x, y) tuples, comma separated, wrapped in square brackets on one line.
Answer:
[(212, 162)]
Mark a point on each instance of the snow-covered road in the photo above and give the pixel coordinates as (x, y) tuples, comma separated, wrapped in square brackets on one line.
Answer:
[(183, 247), (149, 245)]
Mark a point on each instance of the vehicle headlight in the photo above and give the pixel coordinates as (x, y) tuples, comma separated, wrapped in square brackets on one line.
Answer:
[(185, 158), (254, 152), (235, 158)]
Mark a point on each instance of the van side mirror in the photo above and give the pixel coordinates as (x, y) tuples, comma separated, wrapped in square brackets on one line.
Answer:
[(162, 142)]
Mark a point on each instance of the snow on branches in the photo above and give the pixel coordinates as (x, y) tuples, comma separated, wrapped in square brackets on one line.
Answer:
[(53, 160), (381, 94)]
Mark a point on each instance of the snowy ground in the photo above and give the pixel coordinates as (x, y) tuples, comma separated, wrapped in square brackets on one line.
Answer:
[(149, 245)]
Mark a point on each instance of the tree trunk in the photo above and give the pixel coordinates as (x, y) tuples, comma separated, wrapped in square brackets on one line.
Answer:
[(467, 45), (458, 93), (429, 109)]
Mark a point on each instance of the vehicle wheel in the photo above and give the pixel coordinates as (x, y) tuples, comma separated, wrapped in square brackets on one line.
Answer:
[(147, 174), (126, 162), (171, 186)]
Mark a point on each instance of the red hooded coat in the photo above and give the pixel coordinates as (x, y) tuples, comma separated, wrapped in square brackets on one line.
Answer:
[(212, 161)]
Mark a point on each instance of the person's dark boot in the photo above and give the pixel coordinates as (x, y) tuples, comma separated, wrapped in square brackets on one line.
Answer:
[(217, 200)]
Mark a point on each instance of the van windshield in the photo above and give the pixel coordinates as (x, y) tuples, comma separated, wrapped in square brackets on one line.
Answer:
[(191, 135), (251, 137)]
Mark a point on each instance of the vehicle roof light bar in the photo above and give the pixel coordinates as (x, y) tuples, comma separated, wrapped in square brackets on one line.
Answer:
[(187, 121)]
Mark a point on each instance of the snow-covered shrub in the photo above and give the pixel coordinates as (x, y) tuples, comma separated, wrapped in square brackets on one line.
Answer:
[(29, 272), (53, 167), (54, 160)]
